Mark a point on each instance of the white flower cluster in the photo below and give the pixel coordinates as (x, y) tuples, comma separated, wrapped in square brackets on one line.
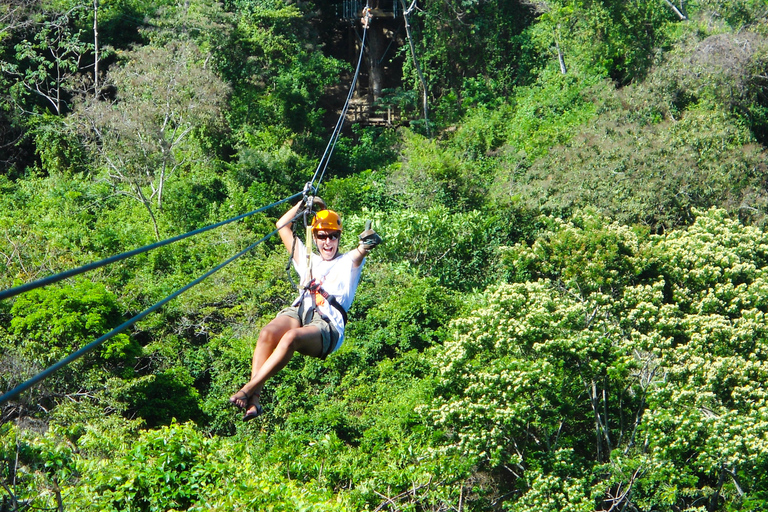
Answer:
[(669, 371)]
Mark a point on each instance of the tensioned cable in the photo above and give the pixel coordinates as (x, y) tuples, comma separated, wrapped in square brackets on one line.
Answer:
[(11, 292), (323, 165), (87, 348)]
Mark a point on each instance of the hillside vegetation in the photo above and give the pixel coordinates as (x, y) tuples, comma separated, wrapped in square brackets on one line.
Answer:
[(568, 312)]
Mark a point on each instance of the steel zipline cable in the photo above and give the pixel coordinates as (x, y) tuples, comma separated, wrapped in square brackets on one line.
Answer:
[(323, 165)]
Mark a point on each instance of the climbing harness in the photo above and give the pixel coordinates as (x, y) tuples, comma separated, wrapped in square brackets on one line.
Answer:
[(315, 289)]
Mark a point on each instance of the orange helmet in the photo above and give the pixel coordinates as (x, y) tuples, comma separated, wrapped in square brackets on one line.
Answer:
[(326, 219)]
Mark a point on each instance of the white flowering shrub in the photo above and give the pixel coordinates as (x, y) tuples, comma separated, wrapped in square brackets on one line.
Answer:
[(643, 358)]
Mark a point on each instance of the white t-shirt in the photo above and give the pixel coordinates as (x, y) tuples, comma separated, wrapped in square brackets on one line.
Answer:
[(338, 277)]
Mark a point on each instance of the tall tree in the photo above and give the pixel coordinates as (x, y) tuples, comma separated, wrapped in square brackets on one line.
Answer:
[(46, 63), (143, 135)]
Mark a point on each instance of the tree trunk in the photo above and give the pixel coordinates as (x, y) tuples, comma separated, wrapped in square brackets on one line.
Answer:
[(560, 57), (96, 48), (148, 205), (377, 45), (680, 12)]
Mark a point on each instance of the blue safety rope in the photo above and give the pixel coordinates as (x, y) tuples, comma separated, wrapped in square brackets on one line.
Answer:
[(87, 348), (11, 292)]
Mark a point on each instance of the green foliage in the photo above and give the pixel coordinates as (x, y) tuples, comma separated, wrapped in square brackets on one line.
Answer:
[(144, 138), (45, 222), (455, 248), (652, 174), (549, 113), (432, 175), (482, 132), (38, 466), (604, 38), (356, 193), (735, 14), (49, 324), (64, 319), (181, 469), (267, 168), (277, 78), (718, 70), (162, 397), (46, 63), (195, 203), (442, 31), (584, 254), (412, 316), (368, 148), (495, 359), (57, 149), (664, 372)]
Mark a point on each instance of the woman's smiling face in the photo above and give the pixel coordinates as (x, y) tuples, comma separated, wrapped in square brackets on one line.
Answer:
[(327, 243)]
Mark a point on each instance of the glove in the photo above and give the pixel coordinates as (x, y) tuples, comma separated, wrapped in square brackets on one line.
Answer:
[(369, 238)]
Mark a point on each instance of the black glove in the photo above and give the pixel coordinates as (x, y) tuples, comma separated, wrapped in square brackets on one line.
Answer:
[(369, 238)]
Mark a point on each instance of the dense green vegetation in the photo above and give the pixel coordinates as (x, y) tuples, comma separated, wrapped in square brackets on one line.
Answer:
[(568, 312)]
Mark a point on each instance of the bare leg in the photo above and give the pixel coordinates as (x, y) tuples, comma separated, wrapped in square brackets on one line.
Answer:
[(305, 340), (269, 337)]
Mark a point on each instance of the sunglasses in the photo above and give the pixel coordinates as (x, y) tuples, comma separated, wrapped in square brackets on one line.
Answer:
[(325, 236)]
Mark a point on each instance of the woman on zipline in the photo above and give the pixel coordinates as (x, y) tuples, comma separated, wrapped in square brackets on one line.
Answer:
[(314, 325)]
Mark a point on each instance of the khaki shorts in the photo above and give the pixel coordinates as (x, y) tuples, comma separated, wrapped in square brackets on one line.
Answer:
[(329, 334)]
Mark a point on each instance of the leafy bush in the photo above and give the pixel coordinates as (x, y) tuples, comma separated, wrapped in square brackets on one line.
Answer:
[(432, 175), (653, 387), (629, 171), (456, 248), (49, 324)]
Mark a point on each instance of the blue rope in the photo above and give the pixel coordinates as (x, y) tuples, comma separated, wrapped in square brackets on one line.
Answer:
[(87, 348), (11, 292)]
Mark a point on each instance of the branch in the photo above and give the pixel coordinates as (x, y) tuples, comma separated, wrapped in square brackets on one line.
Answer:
[(676, 10), (560, 56), (599, 422), (404, 494), (619, 499), (425, 106)]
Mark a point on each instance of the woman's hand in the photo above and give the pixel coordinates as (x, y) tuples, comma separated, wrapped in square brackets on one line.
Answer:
[(369, 238)]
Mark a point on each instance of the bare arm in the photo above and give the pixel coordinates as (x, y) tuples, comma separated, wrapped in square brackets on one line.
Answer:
[(358, 254), (284, 226)]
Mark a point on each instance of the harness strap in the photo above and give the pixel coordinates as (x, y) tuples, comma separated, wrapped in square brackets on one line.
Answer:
[(314, 287), (290, 260)]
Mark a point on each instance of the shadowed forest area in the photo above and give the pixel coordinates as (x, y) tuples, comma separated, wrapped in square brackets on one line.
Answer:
[(567, 312)]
